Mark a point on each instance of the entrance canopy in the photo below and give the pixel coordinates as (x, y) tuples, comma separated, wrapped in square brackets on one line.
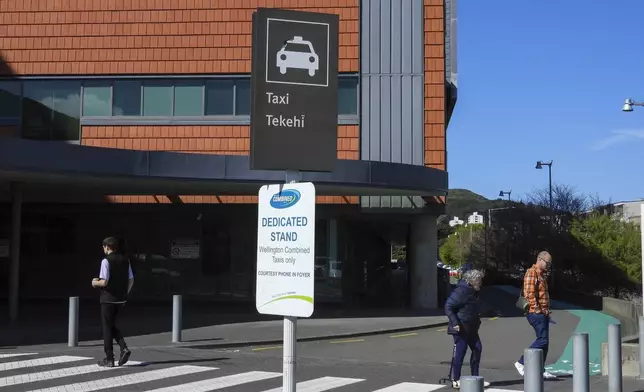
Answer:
[(129, 172)]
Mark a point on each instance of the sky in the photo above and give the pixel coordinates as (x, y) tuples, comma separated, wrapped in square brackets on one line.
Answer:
[(546, 80)]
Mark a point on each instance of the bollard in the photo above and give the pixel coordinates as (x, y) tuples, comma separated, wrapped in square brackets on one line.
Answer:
[(176, 318), (533, 377), (72, 328), (614, 358), (471, 384), (641, 339), (580, 363)]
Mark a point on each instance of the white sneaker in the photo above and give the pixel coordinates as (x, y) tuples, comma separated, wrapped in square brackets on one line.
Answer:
[(457, 384), (549, 376), (519, 368)]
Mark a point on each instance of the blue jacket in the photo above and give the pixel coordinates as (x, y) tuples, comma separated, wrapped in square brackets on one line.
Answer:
[(463, 308)]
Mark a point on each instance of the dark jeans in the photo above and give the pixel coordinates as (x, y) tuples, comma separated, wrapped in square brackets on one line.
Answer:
[(541, 325), (109, 314), (461, 342)]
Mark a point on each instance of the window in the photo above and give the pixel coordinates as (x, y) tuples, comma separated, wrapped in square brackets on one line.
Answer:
[(188, 98), (242, 97), (348, 96), (157, 98), (97, 99), (127, 98), (51, 110), (9, 99), (219, 97)]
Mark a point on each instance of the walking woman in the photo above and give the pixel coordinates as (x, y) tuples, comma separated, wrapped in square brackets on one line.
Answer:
[(462, 310)]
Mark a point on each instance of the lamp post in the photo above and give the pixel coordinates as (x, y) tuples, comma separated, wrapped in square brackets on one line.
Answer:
[(504, 193), (629, 103), (540, 165)]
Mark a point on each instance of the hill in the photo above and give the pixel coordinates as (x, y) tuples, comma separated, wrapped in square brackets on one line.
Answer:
[(463, 202)]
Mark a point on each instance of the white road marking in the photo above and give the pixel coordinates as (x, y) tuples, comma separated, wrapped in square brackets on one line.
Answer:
[(128, 379), (15, 355), (40, 362), (321, 384), (214, 384), (500, 390), (58, 373), (411, 387)]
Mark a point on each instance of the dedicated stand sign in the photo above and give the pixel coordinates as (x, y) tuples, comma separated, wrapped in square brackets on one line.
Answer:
[(286, 261)]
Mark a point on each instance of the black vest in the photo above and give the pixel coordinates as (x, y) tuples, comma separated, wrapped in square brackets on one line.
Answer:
[(116, 289)]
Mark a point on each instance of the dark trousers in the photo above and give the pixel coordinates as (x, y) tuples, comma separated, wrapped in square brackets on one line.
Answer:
[(109, 315), (541, 325), (462, 341)]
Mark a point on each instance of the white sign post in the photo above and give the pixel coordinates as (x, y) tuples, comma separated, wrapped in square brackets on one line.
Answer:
[(286, 261)]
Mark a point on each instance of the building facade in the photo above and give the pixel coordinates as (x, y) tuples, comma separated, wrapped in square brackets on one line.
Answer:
[(475, 219), (131, 118)]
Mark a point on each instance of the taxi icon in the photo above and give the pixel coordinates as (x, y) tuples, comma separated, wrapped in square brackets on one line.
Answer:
[(299, 54)]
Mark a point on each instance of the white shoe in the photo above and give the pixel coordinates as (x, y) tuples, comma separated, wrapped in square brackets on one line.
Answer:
[(519, 368), (549, 376), (457, 384)]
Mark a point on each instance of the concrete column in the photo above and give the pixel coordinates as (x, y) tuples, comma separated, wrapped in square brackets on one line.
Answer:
[(14, 249), (423, 242)]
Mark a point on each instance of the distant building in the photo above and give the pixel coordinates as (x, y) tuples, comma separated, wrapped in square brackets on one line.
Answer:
[(628, 211), (475, 219), (456, 222)]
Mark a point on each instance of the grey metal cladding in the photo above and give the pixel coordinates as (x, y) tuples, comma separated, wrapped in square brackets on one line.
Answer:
[(392, 88)]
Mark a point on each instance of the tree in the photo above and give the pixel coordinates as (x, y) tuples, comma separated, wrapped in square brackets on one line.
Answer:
[(613, 241), (458, 247)]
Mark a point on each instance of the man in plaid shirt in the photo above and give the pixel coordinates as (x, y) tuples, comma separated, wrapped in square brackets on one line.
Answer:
[(535, 290)]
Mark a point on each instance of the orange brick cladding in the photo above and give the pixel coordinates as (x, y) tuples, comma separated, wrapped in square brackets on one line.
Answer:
[(226, 140), (74, 37), (435, 84)]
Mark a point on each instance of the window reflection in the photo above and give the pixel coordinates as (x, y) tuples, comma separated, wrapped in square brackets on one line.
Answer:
[(97, 99), (9, 99), (219, 97), (127, 98), (51, 110)]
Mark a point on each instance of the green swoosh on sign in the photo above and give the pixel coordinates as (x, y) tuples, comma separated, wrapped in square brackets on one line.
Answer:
[(300, 297)]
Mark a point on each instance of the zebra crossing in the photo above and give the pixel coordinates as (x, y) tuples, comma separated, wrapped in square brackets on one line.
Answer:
[(62, 373)]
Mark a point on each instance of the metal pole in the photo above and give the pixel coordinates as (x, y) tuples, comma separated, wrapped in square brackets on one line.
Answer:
[(580, 362), (72, 329), (614, 358), (641, 339), (471, 384), (533, 377), (550, 183), (290, 343), (14, 249), (290, 323), (176, 318)]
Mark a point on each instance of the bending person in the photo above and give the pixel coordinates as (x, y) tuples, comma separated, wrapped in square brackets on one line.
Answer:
[(462, 310)]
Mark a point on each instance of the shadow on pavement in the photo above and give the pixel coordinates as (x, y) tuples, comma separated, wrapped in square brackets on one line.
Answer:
[(139, 319)]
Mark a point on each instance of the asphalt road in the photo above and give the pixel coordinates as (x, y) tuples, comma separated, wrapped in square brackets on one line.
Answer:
[(359, 365)]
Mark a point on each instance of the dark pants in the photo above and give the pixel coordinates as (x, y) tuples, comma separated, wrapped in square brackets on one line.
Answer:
[(461, 342), (109, 314), (541, 325)]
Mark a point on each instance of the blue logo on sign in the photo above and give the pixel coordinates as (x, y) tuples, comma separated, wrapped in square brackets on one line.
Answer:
[(285, 199)]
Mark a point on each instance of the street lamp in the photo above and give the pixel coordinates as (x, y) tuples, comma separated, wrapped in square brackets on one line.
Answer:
[(503, 193), (540, 165), (629, 103)]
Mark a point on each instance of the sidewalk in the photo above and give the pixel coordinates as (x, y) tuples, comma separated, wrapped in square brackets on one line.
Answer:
[(43, 326)]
